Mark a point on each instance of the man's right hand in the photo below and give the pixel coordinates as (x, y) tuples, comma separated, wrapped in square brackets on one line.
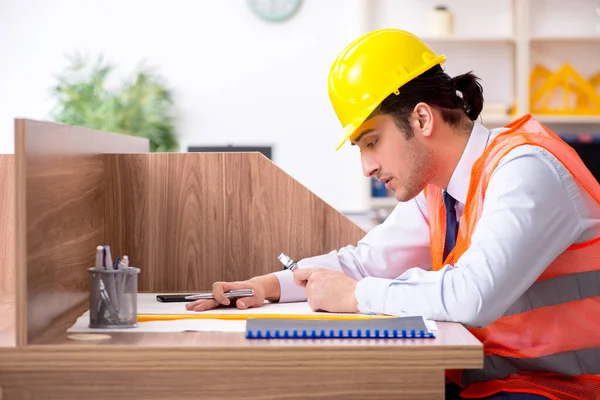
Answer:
[(265, 287)]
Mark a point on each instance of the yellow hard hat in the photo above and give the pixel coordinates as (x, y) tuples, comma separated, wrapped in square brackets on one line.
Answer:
[(370, 69)]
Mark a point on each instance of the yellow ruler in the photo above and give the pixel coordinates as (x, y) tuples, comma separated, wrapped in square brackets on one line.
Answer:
[(171, 317)]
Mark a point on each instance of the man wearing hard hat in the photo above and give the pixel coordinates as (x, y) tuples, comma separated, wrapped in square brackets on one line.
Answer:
[(496, 229)]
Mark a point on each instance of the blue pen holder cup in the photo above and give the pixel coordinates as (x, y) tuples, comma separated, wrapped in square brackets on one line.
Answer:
[(113, 298)]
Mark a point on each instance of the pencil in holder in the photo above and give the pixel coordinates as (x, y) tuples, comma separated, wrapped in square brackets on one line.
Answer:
[(113, 298)]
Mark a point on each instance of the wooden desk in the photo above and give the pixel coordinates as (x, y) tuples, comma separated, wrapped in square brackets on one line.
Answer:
[(207, 365), (187, 220)]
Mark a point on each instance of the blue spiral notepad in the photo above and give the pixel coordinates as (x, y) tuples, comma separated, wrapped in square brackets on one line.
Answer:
[(404, 328)]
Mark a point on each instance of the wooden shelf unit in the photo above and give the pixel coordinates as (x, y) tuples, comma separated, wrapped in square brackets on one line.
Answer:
[(502, 42)]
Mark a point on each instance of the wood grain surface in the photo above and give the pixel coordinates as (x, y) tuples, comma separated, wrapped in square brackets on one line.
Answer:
[(7, 320), (7, 223), (458, 344), (188, 220), (228, 366), (60, 194), (208, 380)]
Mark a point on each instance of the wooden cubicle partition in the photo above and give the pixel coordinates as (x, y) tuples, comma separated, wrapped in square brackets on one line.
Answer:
[(185, 219), (7, 224), (7, 250), (188, 220), (60, 197), (158, 207)]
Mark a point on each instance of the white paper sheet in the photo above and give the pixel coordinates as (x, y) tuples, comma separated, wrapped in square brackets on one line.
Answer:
[(147, 304), (432, 325), (180, 325)]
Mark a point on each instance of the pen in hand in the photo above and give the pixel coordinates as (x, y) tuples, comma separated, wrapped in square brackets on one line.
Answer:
[(290, 264), (287, 262)]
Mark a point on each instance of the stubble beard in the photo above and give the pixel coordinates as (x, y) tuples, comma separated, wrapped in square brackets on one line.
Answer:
[(421, 171)]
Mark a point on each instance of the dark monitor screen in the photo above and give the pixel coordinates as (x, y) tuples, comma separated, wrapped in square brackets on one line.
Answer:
[(589, 152), (265, 150)]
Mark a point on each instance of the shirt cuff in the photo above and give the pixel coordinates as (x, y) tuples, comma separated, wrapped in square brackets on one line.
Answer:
[(329, 260), (371, 294), (289, 292)]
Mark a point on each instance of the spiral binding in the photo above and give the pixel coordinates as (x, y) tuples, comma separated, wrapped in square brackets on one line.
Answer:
[(301, 334)]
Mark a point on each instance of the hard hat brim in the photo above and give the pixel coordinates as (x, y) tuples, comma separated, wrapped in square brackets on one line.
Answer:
[(350, 129)]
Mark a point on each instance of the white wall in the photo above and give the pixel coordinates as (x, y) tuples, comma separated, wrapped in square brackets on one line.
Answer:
[(492, 61), (240, 80), (237, 79)]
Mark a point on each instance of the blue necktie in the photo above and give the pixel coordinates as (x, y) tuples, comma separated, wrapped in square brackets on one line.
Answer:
[(451, 223)]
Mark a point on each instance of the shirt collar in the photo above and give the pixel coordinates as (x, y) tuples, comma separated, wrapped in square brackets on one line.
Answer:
[(458, 186)]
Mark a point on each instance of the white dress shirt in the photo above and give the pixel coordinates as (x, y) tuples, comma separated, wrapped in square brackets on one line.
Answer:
[(533, 210)]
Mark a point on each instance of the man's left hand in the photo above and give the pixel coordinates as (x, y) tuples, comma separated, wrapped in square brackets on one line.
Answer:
[(327, 290)]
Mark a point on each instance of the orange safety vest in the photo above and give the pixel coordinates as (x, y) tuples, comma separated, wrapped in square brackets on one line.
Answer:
[(548, 341)]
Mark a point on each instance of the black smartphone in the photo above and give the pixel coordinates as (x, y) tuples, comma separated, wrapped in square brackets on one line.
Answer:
[(173, 298)]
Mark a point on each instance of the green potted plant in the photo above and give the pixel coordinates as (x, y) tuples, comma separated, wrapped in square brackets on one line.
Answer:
[(139, 106)]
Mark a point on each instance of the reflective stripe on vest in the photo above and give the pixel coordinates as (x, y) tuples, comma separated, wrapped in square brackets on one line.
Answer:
[(571, 363), (547, 342), (557, 290)]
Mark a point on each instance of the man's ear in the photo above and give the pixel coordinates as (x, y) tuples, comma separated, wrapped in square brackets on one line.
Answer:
[(422, 119)]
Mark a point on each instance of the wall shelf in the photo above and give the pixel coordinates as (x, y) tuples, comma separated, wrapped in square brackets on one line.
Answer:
[(569, 119), (468, 39), (495, 119), (502, 42), (566, 39), (559, 119)]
